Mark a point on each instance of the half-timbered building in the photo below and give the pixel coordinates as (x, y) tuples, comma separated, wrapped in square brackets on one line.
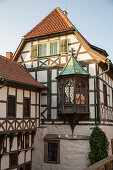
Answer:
[(19, 115), (79, 91)]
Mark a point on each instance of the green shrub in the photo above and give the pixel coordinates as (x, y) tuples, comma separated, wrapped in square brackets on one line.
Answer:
[(99, 145)]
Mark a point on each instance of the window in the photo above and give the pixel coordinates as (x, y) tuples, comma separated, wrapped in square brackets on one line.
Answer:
[(13, 158), (73, 95), (19, 140), (112, 98), (42, 50), (11, 106), (80, 93), (26, 108), (105, 94), (63, 46), (52, 151), (26, 140), (53, 48), (69, 93), (28, 166), (34, 50)]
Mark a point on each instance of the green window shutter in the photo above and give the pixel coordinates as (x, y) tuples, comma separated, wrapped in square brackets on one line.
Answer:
[(63, 46), (39, 47)]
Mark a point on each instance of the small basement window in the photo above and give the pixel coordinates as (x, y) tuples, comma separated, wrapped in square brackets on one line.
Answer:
[(52, 151)]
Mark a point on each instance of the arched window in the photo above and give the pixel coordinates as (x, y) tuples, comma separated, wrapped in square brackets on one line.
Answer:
[(80, 92), (69, 92)]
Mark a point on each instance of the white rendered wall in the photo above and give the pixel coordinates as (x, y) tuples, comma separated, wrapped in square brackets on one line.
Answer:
[(73, 154)]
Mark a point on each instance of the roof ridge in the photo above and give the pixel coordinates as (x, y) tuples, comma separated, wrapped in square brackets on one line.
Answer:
[(60, 12), (41, 21), (64, 17)]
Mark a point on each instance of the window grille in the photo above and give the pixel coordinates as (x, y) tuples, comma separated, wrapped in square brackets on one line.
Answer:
[(69, 92)]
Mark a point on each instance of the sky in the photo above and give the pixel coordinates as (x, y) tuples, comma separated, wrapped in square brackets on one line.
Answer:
[(93, 19)]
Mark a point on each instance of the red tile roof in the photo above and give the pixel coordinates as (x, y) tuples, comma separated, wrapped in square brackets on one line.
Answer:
[(55, 21), (15, 72)]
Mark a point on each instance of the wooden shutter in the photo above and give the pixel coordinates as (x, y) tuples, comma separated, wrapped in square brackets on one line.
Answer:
[(63, 46), (11, 106), (34, 50)]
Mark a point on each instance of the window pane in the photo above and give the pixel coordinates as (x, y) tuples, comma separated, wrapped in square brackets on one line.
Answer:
[(52, 151), (80, 92), (11, 106), (54, 48), (42, 50), (26, 108), (28, 166), (105, 94), (69, 93), (13, 159)]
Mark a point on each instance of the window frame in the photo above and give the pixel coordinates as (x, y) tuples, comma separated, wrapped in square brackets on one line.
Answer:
[(46, 51), (27, 116), (105, 100), (112, 97), (54, 41), (46, 142), (13, 166), (14, 112)]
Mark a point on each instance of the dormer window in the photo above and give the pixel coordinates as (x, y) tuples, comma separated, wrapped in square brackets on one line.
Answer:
[(73, 92)]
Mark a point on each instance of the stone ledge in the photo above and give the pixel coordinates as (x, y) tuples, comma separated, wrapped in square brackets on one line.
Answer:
[(65, 137)]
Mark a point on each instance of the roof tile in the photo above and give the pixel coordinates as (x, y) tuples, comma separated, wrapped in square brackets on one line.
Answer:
[(55, 21), (15, 72)]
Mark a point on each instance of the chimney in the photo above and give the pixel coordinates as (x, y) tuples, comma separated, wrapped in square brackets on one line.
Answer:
[(9, 55), (65, 13)]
